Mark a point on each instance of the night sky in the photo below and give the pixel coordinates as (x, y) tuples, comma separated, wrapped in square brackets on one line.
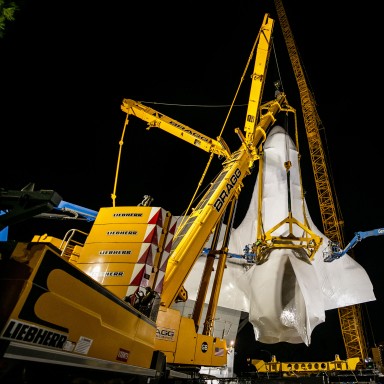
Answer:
[(66, 67)]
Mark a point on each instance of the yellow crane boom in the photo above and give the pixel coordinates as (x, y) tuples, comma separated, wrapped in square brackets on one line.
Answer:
[(350, 317), (189, 242), (156, 119)]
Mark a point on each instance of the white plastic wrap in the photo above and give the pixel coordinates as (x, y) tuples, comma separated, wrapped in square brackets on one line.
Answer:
[(286, 296)]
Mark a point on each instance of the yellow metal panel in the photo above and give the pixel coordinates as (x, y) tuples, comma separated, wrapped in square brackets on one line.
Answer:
[(204, 350), (124, 233), (132, 215), (219, 352), (88, 318), (114, 273), (167, 333), (186, 343), (305, 368), (120, 291), (73, 259), (109, 327), (75, 254), (117, 252), (47, 239)]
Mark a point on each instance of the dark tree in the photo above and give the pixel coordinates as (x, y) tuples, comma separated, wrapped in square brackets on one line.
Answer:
[(7, 13)]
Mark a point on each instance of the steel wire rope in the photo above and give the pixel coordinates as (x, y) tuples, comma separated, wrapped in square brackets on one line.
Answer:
[(281, 85), (221, 133)]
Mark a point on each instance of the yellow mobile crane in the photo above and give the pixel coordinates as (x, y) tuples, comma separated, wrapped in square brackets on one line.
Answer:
[(102, 308), (350, 317), (206, 217)]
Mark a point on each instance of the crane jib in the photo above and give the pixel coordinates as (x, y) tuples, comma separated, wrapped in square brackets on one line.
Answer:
[(190, 131), (224, 194), (155, 118)]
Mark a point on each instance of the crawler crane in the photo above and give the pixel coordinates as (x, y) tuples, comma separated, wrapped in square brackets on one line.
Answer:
[(350, 317), (101, 308)]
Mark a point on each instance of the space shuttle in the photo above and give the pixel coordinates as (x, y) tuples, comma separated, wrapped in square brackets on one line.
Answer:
[(287, 295)]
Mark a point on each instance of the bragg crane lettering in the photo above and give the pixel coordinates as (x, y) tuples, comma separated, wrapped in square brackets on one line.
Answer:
[(219, 203)]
